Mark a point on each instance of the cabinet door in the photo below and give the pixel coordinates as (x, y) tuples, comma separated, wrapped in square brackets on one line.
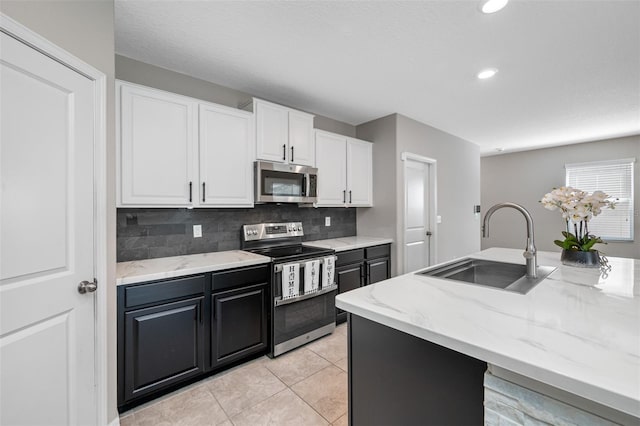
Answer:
[(301, 141), (359, 173), (226, 157), (157, 140), (348, 277), (163, 346), (239, 325), (272, 131), (377, 270), (331, 164)]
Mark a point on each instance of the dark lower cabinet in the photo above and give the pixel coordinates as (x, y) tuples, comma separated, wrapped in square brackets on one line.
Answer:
[(377, 263), (164, 345), (399, 379), (239, 323), (177, 330), (349, 275), (360, 267)]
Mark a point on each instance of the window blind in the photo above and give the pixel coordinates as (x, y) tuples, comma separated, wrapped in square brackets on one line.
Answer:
[(614, 178)]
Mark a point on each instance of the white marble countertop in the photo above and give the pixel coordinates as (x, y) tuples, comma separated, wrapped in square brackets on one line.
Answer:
[(170, 267), (577, 330), (348, 243)]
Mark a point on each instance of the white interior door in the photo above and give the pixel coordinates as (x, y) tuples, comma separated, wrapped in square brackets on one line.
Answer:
[(47, 337), (416, 215)]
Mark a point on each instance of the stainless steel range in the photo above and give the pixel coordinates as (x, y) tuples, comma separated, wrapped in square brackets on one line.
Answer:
[(303, 285)]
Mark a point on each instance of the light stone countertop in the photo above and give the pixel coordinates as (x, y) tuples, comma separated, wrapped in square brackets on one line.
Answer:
[(578, 330), (170, 267), (348, 243)]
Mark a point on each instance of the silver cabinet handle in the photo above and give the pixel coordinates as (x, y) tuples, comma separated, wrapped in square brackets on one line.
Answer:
[(87, 286)]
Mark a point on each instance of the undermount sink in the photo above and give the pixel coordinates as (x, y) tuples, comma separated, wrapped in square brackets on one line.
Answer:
[(505, 276)]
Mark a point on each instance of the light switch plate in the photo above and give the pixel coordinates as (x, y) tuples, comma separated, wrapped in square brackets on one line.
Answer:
[(197, 231), (327, 221), (438, 219)]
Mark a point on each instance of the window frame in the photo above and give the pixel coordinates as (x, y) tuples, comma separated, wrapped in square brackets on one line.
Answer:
[(621, 162)]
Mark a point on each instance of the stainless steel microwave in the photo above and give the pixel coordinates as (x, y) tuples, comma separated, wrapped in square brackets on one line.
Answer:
[(285, 183)]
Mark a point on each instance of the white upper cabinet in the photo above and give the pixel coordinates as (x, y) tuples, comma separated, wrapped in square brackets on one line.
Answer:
[(176, 151), (345, 177), (359, 173), (157, 140), (283, 134), (331, 163), (301, 142), (226, 157)]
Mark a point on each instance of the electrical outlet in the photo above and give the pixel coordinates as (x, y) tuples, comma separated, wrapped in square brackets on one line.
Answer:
[(197, 231), (327, 221)]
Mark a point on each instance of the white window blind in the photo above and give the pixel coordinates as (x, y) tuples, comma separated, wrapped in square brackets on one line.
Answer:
[(614, 178)]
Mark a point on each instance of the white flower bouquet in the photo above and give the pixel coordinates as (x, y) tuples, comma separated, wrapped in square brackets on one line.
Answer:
[(578, 208)]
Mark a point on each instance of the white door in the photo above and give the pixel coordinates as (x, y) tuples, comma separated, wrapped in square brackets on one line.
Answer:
[(157, 131), (416, 215), (301, 141), (359, 173), (332, 168), (226, 157), (272, 131), (47, 338)]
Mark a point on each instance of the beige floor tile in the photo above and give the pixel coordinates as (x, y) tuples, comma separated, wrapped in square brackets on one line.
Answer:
[(128, 420), (152, 415), (193, 407), (342, 329), (296, 365), (343, 363), (332, 348), (244, 388), (326, 392), (284, 408), (342, 421)]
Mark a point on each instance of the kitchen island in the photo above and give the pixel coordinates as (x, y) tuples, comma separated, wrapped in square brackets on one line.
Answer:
[(575, 337)]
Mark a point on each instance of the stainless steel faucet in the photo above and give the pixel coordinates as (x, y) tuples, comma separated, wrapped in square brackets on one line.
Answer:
[(530, 253)]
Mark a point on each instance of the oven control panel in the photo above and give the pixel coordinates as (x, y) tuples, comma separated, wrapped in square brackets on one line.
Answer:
[(264, 231)]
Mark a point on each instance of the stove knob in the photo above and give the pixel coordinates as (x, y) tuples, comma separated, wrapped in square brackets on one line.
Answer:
[(300, 228), (254, 232)]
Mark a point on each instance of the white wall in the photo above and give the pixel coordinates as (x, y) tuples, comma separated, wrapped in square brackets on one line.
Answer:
[(86, 30), (458, 180), (524, 177)]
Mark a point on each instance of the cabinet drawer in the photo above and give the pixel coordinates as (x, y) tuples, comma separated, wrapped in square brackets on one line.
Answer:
[(163, 290), (350, 256), (377, 251), (240, 277)]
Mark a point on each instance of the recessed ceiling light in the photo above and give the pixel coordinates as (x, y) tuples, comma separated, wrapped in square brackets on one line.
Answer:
[(487, 73), (492, 6)]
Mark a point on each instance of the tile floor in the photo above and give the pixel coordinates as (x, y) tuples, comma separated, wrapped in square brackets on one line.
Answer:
[(307, 386)]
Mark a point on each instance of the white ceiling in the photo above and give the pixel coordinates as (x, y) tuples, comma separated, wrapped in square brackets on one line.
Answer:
[(569, 71)]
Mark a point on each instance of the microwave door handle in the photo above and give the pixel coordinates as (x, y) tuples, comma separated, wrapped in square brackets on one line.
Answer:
[(305, 185)]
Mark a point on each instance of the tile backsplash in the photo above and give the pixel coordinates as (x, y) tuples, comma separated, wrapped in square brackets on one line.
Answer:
[(151, 233)]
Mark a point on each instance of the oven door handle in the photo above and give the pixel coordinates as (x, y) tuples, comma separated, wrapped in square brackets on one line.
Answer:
[(278, 268), (280, 301)]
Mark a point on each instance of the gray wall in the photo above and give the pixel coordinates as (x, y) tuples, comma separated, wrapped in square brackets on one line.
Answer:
[(149, 233), (458, 184), (381, 220), (86, 30), (524, 177), (133, 71)]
